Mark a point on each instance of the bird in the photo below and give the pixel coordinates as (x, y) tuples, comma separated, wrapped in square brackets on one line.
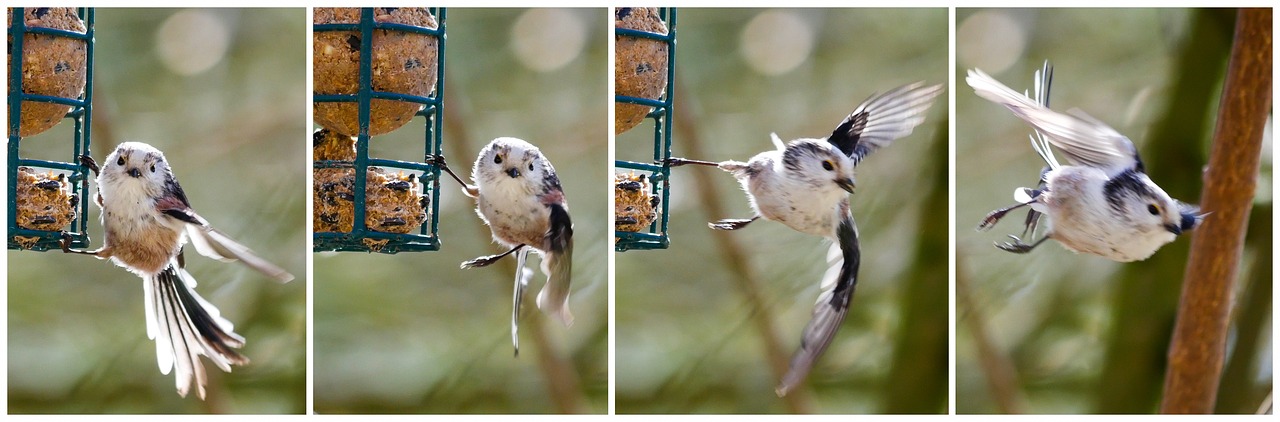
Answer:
[(147, 220), (1102, 202), (805, 184), (519, 197)]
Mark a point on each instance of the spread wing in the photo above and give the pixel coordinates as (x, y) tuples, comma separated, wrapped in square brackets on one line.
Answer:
[(1082, 138), (832, 305), (210, 242), (557, 263), (883, 118)]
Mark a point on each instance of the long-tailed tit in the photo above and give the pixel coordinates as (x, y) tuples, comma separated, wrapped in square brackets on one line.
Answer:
[(519, 196), (805, 184), (1102, 203), (147, 219)]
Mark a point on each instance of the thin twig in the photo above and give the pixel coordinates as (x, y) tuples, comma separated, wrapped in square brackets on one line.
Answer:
[(996, 366)]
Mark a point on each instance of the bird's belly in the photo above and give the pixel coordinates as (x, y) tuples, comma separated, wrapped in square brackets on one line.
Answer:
[(812, 217), (521, 222), (142, 248), (137, 237)]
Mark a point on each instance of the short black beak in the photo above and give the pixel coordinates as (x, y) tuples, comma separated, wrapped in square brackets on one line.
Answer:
[(1173, 228), (846, 184), (513, 172), (1189, 221), (135, 173)]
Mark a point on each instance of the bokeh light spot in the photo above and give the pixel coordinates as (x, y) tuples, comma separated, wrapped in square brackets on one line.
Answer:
[(990, 40), (548, 39), (776, 42), (192, 41)]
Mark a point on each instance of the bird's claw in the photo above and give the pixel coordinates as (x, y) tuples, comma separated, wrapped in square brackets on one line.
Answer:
[(87, 161), (483, 261), (64, 240), (677, 162), (1016, 246), (728, 224), (991, 219)]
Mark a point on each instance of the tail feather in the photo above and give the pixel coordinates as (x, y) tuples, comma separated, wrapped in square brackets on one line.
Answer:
[(522, 281), (185, 327)]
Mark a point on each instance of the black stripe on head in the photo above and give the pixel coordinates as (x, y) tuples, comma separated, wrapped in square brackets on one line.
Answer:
[(550, 182), (795, 152), (1127, 184)]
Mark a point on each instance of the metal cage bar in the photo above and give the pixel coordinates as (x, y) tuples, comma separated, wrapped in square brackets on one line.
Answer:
[(81, 113), (659, 169), (427, 238)]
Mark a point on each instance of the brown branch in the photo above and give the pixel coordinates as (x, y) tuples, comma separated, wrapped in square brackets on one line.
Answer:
[(1238, 392), (732, 252), (563, 385), (1199, 339)]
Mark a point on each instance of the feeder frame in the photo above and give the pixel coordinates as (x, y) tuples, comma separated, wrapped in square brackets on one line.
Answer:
[(660, 168), (81, 113), (427, 238)]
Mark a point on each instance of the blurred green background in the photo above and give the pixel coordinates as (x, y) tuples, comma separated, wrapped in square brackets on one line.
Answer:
[(685, 339), (413, 333), (223, 93), (1057, 332)]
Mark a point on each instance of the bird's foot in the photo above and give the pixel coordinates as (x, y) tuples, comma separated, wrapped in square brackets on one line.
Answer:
[(87, 161), (677, 162), (731, 223), (483, 261), (1017, 246), (488, 260), (65, 242), (991, 219)]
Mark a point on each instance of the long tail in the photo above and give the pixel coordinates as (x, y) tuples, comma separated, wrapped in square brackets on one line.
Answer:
[(832, 305), (522, 280), (185, 327)]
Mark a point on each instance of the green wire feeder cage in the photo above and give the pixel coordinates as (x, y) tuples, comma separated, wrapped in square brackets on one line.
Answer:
[(80, 112), (361, 237), (659, 170)]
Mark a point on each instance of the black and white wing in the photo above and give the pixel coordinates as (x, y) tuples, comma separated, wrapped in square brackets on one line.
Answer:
[(185, 327), (1083, 139), (883, 118), (212, 243), (557, 264), (833, 303)]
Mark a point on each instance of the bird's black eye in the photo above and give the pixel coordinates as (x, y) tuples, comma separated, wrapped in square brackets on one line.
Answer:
[(120, 161), (1153, 209), (153, 168), (826, 165), (530, 166), (497, 159)]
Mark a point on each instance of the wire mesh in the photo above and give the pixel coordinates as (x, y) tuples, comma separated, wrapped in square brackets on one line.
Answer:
[(655, 237), (81, 114), (362, 238)]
